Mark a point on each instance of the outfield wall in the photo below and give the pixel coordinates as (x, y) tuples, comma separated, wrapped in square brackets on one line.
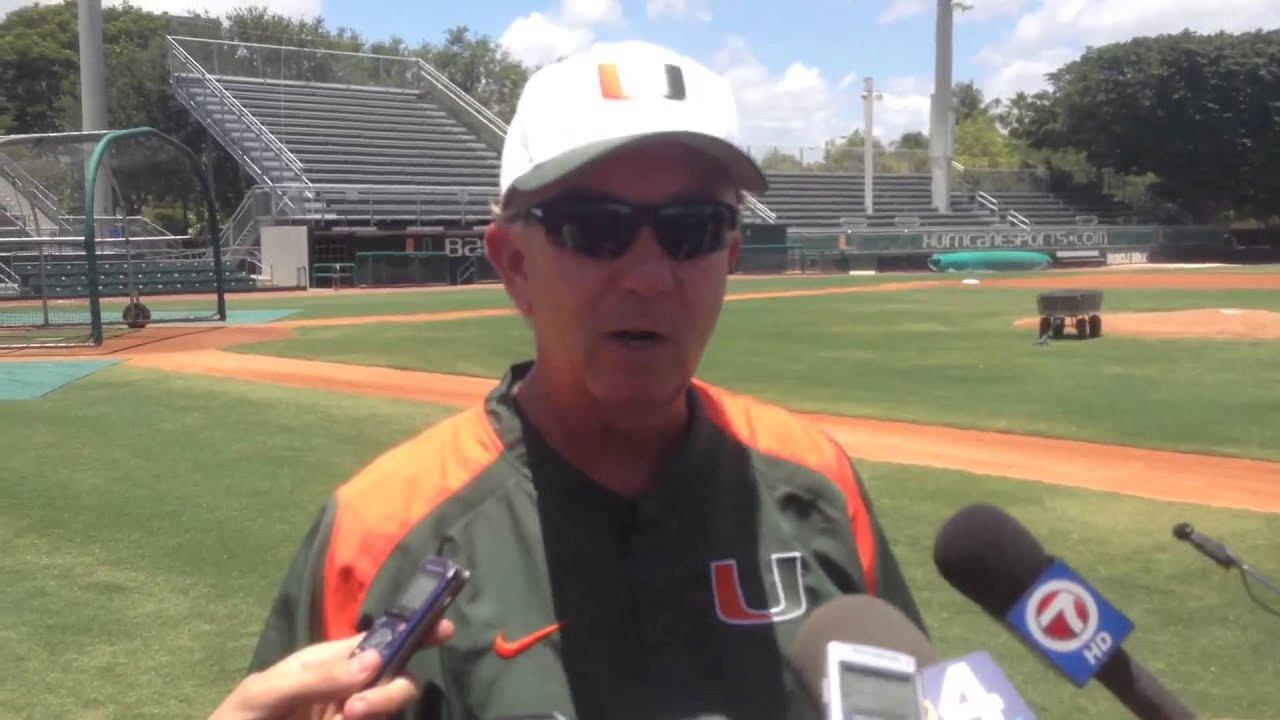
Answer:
[(772, 249)]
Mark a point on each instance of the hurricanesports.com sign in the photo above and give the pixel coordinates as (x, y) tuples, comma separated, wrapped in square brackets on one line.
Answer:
[(995, 238), (1069, 622), (1013, 239)]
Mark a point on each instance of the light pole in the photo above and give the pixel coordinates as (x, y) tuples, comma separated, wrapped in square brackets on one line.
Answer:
[(940, 142), (869, 98), (93, 97)]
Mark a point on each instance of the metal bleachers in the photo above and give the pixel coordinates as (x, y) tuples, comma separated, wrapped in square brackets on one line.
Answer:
[(818, 201), (344, 138)]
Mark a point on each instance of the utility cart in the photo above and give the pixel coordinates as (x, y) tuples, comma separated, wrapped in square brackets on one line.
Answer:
[(1081, 308)]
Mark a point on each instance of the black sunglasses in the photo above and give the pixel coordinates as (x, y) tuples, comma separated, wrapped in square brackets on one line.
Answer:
[(606, 228)]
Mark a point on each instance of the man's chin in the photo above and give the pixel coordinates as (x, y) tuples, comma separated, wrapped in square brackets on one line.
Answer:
[(640, 397)]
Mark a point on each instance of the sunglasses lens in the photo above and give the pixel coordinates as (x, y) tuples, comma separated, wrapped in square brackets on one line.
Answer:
[(598, 231), (691, 231), (607, 230)]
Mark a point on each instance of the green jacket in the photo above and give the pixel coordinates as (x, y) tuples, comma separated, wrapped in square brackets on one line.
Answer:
[(682, 602)]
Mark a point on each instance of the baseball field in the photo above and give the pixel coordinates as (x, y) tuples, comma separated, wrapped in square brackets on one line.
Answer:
[(149, 508)]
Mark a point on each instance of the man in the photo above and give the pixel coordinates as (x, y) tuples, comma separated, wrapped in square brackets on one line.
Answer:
[(641, 544)]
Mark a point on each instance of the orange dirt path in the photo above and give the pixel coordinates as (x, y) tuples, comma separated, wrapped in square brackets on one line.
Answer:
[(1179, 477)]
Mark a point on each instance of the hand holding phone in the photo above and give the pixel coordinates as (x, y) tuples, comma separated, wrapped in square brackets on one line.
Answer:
[(398, 633)]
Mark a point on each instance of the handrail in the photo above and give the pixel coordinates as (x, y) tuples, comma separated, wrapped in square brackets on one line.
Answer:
[(474, 105), (760, 209), (7, 277), (1017, 219), (989, 201), (238, 109), (239, 216), (40, 198), (217, 41)]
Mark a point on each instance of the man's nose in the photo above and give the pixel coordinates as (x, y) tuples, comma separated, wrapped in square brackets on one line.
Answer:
[(646, 269)]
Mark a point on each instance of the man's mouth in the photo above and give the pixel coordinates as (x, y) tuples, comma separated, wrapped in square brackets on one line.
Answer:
[(637, 337)]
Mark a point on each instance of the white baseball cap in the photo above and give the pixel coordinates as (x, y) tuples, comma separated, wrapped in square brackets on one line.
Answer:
[(588, 105)]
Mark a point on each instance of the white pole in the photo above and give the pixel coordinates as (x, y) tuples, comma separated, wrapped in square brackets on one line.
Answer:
[(940, 111), (93, 98), (868, 151)]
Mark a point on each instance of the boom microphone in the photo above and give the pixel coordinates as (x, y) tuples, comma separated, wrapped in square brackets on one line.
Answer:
[(1211, 548), (998, 564)]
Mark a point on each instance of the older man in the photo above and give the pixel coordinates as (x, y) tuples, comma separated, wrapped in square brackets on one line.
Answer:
[(642, 544)]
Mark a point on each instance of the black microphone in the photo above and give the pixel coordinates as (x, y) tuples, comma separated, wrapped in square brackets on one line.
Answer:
[(844, 627), (995, 562), (1211, 548)]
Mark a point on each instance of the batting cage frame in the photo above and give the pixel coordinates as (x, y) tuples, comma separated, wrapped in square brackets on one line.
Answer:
[(82, 280)]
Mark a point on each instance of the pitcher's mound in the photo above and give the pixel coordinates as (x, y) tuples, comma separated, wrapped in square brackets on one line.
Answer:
[(1212, 323)]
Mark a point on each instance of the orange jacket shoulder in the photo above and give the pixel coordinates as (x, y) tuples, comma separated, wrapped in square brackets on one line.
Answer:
[(777, 432), (381, 504)]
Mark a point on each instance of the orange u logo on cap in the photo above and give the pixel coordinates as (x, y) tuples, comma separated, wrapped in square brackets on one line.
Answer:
[(630, 82)]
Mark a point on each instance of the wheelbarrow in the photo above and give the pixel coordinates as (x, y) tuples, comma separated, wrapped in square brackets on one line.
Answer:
[(1081, 308)]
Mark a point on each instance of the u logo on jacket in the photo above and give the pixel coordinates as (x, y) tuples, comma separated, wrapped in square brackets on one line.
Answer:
[(731, 604)]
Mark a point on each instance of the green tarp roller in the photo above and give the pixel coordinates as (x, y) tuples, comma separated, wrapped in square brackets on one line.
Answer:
[(989, 260)]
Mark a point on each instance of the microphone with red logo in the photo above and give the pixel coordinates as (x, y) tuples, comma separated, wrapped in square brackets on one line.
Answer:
[(998, 564)]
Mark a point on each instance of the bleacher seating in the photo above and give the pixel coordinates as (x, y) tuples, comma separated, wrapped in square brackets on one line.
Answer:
[(364, 135), (151, 277), (817, 201)]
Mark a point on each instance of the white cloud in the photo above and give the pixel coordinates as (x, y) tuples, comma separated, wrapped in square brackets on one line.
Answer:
[(539, 38), (1054, 32), (987, 9), (795, 109), (291, 8), (588, 13), (799, 108), (699, 10), (904, 108), (901, 9), (536, 39)]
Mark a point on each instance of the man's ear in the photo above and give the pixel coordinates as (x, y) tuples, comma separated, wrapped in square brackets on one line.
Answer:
[(735, 249), (503, 250)]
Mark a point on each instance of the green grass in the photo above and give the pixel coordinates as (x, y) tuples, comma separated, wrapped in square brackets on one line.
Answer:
[(944, 356), (147, 518)]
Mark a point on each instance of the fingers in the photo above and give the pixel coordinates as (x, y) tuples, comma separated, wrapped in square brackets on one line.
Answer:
[(316, 674), (440, 635), (325, 673), (380, 701)]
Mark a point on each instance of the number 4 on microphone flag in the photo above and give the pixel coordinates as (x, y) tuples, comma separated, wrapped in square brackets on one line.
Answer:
[(971, 688)]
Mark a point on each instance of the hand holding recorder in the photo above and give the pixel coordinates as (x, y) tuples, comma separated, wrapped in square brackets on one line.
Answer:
[(357, 677)]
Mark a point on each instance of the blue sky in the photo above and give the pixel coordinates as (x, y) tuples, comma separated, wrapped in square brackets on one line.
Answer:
[(797, 67)]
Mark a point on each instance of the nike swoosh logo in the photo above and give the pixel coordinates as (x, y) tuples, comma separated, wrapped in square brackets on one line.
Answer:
[(508, 649)]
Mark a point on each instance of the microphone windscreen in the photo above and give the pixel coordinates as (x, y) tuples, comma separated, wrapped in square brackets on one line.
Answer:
[(1183, 530), (861, 619), (989, 557)]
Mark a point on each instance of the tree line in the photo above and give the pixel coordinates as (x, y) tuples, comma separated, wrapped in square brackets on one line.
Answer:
[(1192, 119)]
